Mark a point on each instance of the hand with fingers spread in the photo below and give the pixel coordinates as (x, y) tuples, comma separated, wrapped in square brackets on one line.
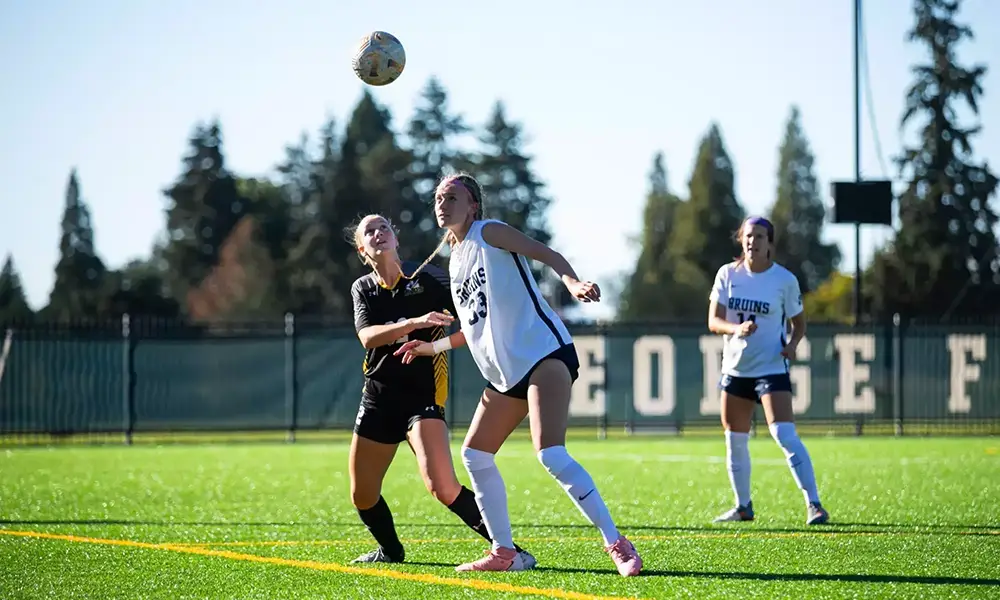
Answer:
[(584, 291), (432, 319), (413, 349)]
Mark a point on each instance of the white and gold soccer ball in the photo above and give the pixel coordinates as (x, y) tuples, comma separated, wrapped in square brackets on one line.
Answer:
[(379, 58)]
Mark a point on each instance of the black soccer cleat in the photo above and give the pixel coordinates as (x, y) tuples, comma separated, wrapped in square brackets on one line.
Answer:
[(379, 555)]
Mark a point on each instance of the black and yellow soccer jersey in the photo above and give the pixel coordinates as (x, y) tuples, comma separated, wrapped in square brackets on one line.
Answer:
[(376, 304)]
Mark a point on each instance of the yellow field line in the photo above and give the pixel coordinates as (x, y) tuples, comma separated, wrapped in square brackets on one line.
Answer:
[(476, 584)]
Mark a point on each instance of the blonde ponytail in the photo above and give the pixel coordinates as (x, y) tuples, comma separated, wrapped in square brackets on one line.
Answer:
[(449, 239)]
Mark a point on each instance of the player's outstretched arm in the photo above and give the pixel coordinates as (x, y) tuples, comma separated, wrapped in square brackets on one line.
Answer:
[(505, 237), (415, 348), (374, 336)]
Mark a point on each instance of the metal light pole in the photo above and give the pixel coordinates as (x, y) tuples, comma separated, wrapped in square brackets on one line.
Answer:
[(857, 156)]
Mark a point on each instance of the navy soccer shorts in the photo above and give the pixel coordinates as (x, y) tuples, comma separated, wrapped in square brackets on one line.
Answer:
[(754, 388)]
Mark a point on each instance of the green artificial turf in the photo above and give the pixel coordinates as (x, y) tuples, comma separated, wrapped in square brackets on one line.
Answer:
[(910, 518)]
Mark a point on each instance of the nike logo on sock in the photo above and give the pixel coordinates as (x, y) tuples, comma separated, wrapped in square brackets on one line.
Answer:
[(583, 497)]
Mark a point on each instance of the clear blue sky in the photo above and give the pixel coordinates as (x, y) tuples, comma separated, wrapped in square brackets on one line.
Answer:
[(114, 87)]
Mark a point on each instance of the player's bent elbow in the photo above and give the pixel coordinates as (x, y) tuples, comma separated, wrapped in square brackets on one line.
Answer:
[(367, 339), (719, 327)]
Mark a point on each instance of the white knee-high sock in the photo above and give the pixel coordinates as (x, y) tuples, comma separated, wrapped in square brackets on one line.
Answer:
[(738, 465), (575, 480), (798, 458), (491, 495)]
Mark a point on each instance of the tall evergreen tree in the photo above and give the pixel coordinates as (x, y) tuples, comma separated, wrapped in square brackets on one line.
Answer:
[(514, 194), (798, 212), (79, 278), (387, 182), (368, 175), (203, 207), (432, 133), (649, 286), (944, 258), (369, 125), (307, 183), (368, 138), (431, 136), (14, 306), (300, 176), (702, 239)]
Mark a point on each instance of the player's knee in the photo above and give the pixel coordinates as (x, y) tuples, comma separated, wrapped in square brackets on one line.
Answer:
[(444, 489), (736, 426), (555, 459), (784, 433), (441, 482), (363, 499), (477, 460)]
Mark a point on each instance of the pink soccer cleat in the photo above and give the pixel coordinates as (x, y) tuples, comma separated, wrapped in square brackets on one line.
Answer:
[(499, 559), (626, 557)]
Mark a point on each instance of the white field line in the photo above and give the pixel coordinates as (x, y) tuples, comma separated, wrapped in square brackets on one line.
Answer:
[(704, 459)]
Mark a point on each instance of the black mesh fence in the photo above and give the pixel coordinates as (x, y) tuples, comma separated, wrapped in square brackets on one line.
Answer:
[(128, 378)]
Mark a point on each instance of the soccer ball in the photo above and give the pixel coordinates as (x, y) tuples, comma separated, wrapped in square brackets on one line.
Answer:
[(379, 59)]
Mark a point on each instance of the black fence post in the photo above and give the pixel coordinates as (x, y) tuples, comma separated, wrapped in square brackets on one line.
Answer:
[(859, 419), (291, 378), (128, 379), (602, 421), (897, 373)]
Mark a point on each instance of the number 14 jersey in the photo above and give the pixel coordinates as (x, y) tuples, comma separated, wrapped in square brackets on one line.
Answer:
[(508, 325), (768, 299)]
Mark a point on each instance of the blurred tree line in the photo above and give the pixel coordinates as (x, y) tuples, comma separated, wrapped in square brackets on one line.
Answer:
[(943, 260), (238, 248)]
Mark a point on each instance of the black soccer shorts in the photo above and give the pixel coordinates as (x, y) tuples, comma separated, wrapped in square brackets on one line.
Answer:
[(388, 418)]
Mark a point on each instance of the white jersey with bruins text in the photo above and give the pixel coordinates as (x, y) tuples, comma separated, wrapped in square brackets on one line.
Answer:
[(769, 299), (508, 325)]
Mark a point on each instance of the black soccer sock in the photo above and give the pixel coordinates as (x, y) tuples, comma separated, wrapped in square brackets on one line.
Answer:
[(466, 508), (378, 520)]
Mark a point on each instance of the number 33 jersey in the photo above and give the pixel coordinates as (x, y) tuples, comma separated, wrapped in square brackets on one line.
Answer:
[(769, 299), (508, 326)]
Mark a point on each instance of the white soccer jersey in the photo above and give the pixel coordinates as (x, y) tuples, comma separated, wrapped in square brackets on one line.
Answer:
[(768, 299), (508, 325)]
